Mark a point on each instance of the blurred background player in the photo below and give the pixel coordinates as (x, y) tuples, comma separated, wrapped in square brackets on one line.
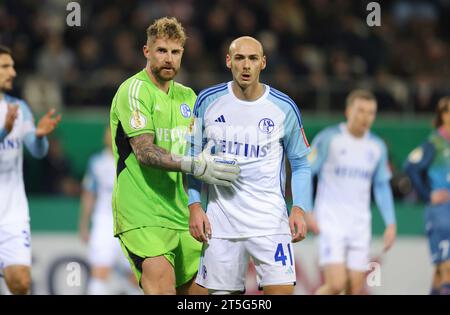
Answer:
[(104, 249), (254, 124), (150, 115), (429, 169), (348, 159), (16, 129)]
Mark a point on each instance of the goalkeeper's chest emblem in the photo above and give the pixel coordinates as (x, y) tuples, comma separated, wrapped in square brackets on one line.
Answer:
[(138, 120)]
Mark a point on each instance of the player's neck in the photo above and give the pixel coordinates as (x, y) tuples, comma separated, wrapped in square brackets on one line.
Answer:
[(355, 132), (162, 85), (250, 93)]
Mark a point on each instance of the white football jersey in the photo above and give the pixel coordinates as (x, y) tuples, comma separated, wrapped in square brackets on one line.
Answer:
[(346, 167), (258, 135), (13, 205), (99, 179)]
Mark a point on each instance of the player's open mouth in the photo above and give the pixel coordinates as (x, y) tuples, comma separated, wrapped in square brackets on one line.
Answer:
[(246, 76)]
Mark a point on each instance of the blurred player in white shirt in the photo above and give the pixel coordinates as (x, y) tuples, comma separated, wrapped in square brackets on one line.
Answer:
[(104, 249), (256, 126), (349, 160), (17, 129)]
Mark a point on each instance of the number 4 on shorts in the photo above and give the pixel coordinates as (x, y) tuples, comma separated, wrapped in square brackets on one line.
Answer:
[(280, 256)]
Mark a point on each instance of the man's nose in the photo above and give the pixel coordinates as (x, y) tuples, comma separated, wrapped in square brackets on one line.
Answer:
[(246, 64), (169, 58)]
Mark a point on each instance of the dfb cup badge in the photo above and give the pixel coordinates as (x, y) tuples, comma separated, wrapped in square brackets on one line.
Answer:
[(138, 120)]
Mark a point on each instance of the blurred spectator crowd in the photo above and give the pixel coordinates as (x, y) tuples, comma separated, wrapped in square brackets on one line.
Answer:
[(317, 50)]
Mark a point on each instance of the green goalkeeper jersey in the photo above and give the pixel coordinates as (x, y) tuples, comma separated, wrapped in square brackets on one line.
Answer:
[(147, 196)]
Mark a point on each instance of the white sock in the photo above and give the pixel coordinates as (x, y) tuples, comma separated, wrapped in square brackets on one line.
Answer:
[(97, 287)]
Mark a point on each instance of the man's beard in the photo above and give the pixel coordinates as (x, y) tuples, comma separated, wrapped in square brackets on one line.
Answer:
[(157, 73), (6, 87)]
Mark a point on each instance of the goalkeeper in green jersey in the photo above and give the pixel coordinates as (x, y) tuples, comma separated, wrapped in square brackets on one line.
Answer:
[(150, 115)]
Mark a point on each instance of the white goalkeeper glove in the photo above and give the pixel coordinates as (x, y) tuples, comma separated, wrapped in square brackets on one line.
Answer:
[(210, 169)]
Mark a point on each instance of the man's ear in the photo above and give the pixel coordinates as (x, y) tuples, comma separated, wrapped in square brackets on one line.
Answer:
[(263, 63), (145, 50), (228, 61), (348, 110)]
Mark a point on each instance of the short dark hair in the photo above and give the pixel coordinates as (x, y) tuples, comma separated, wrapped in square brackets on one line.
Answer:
[(5, 50), (443, 106), (359, 94)]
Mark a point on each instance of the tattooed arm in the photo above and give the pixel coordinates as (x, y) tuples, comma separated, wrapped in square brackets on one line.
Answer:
[(204, 168), (149, 154)]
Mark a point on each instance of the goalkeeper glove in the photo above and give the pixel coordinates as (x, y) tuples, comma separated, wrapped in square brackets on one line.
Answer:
[(211, 170)]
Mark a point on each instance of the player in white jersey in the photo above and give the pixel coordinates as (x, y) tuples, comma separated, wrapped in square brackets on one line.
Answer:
[(104, 249), (251, 124), (16, 129), (349, 159)]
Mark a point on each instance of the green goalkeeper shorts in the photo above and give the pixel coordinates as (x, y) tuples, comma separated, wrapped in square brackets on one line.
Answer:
[(177, 246)]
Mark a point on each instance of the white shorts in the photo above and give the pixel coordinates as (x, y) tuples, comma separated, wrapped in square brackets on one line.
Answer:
[(104, 248), (345, 246), (15, 244), (224, 262)]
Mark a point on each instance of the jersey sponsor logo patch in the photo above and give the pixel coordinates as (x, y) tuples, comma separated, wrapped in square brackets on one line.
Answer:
[(137, 120), (240, 148), (185, 110), (10, 144), (352, 172), (416, 155), (266, 125)]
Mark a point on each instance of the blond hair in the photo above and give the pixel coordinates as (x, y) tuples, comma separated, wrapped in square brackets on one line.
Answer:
[(359, 94), (166, 28)]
